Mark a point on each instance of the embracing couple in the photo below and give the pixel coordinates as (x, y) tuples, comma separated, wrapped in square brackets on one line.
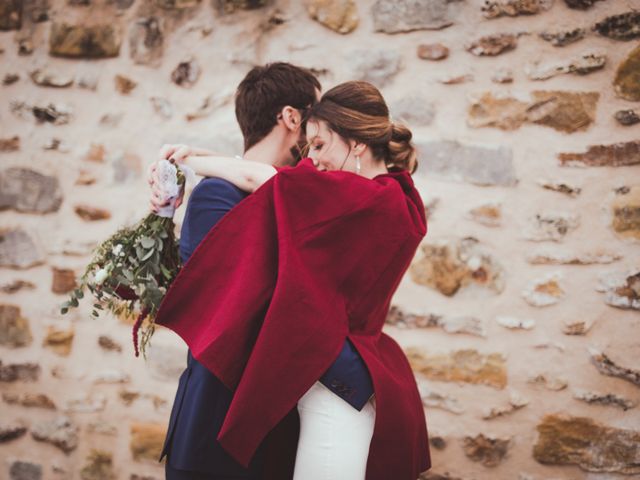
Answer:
[(289, 270)]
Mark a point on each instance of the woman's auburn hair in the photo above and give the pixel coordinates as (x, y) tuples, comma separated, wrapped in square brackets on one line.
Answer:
[(357, 111)]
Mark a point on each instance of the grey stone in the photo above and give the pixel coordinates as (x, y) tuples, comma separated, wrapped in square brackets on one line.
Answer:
[(162, 107), (186, 74), (514, 323), (516, 402), (26, 190), (468, 163), (20, 470), (45, 77), (580, 4), (19, 371), (394, 16), (18, 249), (375, 66), (583, 64), (624, 26), (60, 432), (56, 114), (432, 399), (210, 104), (414, 110), (514, 8), (597, 398), (570, 190), (146, 41), (10, 78), (165, 362), (607, 366), (89, 403), (11, 12), (563, 37), (550, 226), (11, 431), (627, 117)]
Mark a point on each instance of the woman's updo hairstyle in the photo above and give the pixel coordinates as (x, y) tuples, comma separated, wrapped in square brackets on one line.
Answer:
[(357, 111)]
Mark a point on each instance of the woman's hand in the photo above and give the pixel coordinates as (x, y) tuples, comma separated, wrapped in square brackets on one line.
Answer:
[(175, 152)]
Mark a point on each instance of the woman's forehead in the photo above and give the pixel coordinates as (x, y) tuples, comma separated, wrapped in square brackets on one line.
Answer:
[(316, 128)]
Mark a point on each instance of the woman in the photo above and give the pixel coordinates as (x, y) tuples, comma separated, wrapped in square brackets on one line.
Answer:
[(323, 247)]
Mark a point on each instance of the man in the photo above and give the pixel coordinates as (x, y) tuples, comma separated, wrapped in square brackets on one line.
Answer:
[(270, 105)]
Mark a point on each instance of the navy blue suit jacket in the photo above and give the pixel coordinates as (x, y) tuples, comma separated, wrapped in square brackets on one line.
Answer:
[(202, 401)]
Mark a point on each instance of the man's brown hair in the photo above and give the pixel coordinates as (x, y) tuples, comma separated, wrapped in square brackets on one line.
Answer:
[(266, 90)]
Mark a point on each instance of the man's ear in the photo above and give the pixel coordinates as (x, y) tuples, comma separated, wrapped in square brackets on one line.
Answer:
[(291, 118)]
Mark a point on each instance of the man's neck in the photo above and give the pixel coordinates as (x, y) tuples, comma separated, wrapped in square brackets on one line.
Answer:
[(264, 152)]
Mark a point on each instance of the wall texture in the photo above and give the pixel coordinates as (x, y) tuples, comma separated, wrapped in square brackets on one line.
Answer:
[(520, 312)]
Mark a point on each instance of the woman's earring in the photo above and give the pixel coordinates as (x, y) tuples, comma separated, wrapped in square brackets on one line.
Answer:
[(357, 164)]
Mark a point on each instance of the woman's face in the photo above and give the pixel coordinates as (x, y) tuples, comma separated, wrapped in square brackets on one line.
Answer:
[(326, 148)]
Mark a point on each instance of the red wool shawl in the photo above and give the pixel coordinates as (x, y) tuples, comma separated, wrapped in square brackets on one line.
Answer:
[(267, 298)]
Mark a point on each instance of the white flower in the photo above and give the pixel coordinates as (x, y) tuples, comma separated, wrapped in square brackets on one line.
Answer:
[(117, 250), (100, 276)]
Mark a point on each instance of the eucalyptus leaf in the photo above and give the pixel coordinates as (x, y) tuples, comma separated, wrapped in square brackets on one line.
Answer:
[(147, 242)]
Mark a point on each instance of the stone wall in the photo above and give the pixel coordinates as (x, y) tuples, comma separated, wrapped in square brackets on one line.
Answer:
[(520, 312)]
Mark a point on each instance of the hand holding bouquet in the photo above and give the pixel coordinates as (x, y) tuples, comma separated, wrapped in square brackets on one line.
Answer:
[(131, 271)]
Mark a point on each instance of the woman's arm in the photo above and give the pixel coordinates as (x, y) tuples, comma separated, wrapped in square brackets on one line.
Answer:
[(244, 174)]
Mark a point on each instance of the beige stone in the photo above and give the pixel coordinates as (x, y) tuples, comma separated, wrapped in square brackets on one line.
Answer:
[(339, 15), (36, 400), (449, 265), (626, 213), (14, 328), (64, 280), (627, 80), (468, 366), (90, 214), (621, 154), (147, 440), (98, 466), (487, 450), (59, 340), (567, 440), (85, 41)]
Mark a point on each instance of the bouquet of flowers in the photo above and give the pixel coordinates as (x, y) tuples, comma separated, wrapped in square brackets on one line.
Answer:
[(131, 271)]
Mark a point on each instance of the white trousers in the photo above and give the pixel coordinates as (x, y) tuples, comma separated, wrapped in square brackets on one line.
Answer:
[(334, 437)]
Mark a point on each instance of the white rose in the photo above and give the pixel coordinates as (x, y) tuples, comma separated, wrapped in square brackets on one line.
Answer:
[(100, 276)]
